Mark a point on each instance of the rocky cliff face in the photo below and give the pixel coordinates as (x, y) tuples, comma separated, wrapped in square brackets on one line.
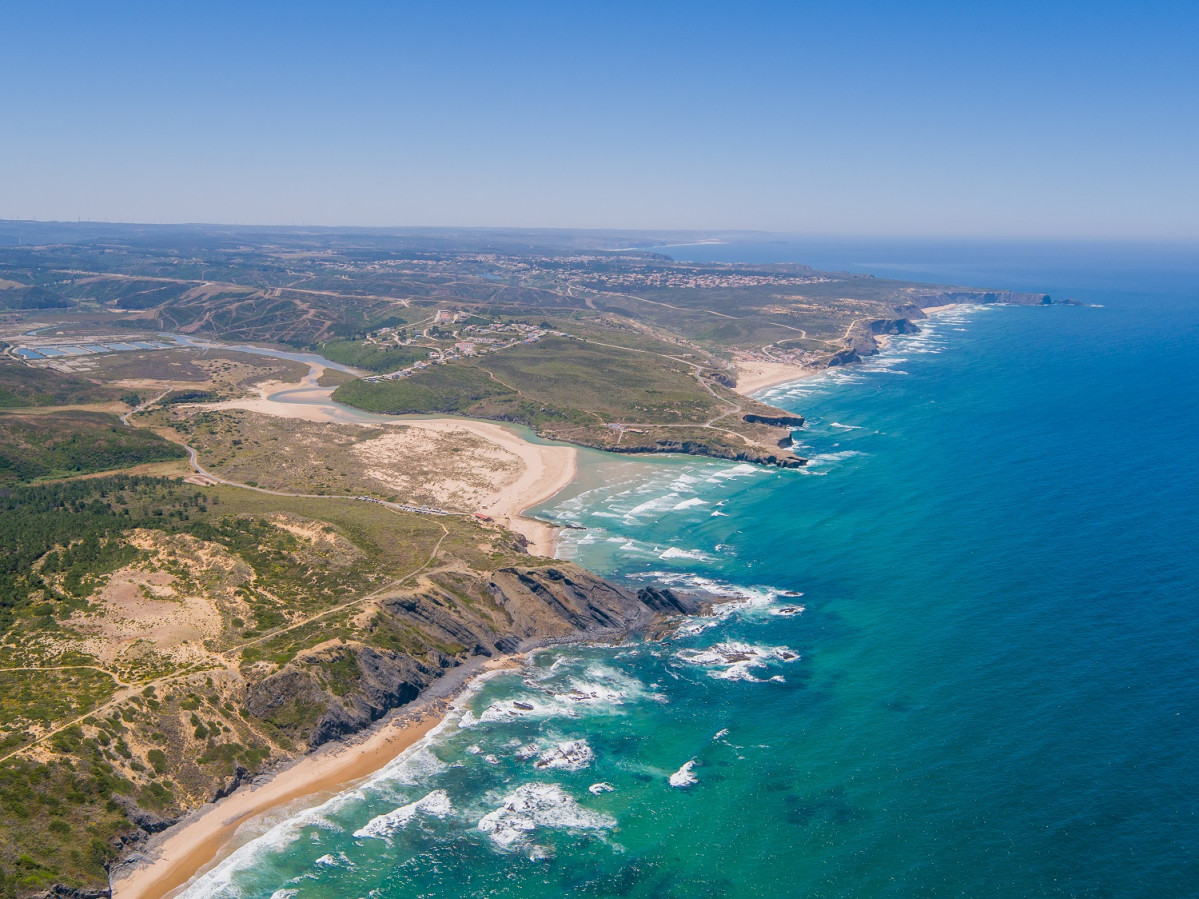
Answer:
[(775, 421), (425, 642), (783, 459), (339, 688), (894, 326), (859, 339), (1009, 297)]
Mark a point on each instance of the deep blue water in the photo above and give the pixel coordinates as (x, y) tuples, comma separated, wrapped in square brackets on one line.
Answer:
[(997, 689)]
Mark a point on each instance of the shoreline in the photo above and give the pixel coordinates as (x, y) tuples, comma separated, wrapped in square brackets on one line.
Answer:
[(170, 860), (547, 468), (754, 377), (202, 838)]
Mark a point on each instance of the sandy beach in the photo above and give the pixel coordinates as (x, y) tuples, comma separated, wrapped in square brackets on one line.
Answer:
[(546, 469), (178, 854), (755, 376)]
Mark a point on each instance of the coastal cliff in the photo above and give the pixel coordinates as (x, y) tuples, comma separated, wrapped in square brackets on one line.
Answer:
[(860, 337), (1007, 297), (782, 458), (420, 644), (346, 686)]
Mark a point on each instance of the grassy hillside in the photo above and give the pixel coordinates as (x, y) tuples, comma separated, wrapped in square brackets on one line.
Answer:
[(372, 358), (23, 387), (148, 631), (583, 391), (55, 444)]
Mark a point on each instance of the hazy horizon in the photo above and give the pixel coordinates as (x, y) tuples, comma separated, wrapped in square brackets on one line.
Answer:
[(700, 235), (870, 120)]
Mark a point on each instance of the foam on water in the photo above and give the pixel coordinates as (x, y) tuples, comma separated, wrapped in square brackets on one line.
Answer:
[(534, 806), (436, 804), (684, 777), (556, 693), (569, 755), (741, 598), (675, 553), (331, 860), (925, 694), (530, 707), (734, 660), (220, 881)]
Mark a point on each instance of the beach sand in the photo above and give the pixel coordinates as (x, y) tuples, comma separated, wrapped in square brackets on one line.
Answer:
[(180, 852), (755, 376), (547, 469), (172, 858)]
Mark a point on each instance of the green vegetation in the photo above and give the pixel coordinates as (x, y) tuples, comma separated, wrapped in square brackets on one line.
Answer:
[(438, 469), (599, 395), (454, 389), (162, 733), (62, 821), (74, 528), (22, 387), (61, 444), (615, 384), (190, 396), (372, 357), (36, 297), (156, 637)]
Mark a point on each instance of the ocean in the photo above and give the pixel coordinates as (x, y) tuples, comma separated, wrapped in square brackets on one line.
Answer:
[(965, 659)]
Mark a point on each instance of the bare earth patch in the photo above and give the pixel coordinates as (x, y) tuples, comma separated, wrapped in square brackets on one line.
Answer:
[(467, 471), (459, 465), (166, 605)]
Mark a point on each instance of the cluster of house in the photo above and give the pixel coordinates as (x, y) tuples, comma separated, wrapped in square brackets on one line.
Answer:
[(474, 340), (690, 280)]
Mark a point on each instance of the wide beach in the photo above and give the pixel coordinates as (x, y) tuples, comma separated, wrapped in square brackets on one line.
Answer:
[(544, 469)]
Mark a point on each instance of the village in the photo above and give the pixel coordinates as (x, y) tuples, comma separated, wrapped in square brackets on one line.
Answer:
[(473, 338)]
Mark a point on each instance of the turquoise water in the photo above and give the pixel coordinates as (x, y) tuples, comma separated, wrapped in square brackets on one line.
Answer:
[(997, 683)]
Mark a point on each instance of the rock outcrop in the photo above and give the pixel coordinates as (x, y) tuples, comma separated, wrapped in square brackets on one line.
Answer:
[(894, 326), (775, 421), (339, 688), (783, 459), (1008, 297)]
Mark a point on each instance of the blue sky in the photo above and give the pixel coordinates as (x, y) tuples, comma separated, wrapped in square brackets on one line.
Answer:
[(1064, 119)]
